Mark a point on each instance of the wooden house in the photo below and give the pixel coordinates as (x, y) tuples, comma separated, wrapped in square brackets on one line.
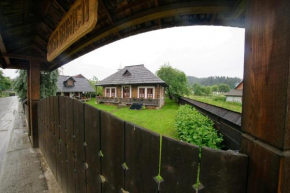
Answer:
[(133, 84), (77, 87), (236, 94)]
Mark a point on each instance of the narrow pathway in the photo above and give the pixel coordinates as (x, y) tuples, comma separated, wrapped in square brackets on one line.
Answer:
[(7, 110), (24, 169)]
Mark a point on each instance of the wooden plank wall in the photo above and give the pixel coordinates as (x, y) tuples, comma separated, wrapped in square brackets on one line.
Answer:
[(89, 150), (226, 121)]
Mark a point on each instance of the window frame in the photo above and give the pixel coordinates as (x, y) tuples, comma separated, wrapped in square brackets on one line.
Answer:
[(110, 95), (146, 87)]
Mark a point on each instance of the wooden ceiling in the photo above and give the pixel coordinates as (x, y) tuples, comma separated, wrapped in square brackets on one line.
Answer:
[(26, 25)]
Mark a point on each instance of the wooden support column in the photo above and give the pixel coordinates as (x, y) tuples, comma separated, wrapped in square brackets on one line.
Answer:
[(34, 91), (28, 101), (266, 98)]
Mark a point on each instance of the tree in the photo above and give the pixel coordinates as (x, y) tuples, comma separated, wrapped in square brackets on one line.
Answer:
[(201, 90), (176, 80), (93, 81), (5, 82), (224, 88), (48, 85), (215, 88)]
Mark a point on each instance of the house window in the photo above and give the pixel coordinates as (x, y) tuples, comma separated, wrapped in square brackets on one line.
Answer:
[(141, 92), (146, 92), (150, 93), (113, 92), (126, 92), (107, 92)]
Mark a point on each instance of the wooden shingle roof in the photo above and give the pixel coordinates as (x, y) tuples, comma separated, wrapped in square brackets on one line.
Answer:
[(136, 74)]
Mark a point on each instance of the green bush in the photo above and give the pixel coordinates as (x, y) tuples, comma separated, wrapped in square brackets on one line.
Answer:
[(196, 128)]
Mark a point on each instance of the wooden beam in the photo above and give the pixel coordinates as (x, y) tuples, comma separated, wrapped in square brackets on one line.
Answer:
[(155, 27), (62, 9), (266, 96), (159, 20), (17, 26), (156, 3), (18, 66), (46, 7), (3, 50), (153, 14), (22, 57), (39, 49), (108, 15), (239, 9), (25, 6), (212, 19), (20, 49), (2, 45)]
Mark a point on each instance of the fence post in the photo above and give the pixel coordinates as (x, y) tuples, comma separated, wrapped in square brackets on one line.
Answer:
[(34, 96), (266, 110)]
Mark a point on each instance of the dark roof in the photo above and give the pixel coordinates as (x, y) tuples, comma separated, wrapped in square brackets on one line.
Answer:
[(234, 92), (80, 85), (136, 74)]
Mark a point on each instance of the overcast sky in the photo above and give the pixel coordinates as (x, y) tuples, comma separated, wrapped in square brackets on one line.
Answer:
[(199, 51)]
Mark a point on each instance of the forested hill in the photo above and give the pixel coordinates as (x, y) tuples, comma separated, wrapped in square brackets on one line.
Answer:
[(214, 80)]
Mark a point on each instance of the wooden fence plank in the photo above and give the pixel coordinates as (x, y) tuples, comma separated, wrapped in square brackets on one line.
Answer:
[(142, 159), (64, 168), (223, 171), (69, 125), (63, 139), (52, 136), (112, 145), (92, 137), (179, 165), (57, 138), (79, 133), (47, 134), (39, 116)]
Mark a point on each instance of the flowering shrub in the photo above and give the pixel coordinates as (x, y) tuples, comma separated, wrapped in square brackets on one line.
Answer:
[(193, 127)]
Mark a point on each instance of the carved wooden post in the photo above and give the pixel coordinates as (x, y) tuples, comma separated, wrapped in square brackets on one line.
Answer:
[(34, 90), (266, 99)]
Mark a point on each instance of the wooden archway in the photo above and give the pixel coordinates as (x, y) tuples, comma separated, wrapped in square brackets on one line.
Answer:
[(26, 27)]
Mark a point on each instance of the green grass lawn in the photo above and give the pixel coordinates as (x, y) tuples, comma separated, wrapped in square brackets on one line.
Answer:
[(161, 121), (219, 101)]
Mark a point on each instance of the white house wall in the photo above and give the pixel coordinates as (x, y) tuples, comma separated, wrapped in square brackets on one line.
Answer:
[(234, 99)]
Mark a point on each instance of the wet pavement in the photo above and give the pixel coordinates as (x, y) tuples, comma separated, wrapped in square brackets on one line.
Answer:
[(8, 106), (24, 169)]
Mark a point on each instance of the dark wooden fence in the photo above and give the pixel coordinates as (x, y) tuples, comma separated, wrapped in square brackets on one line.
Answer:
[(89, 150), (226, 121)]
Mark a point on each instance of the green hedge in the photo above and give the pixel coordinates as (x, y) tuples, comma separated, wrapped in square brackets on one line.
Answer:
[(193, 127)]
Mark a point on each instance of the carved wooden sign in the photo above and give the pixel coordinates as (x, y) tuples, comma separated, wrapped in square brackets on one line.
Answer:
[(78, 21)]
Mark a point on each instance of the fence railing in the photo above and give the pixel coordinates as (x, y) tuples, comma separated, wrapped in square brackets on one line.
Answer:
[(89, 150), (151, 102)]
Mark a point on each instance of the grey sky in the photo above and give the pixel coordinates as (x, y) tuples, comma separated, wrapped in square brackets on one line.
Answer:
[(199, 51)]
